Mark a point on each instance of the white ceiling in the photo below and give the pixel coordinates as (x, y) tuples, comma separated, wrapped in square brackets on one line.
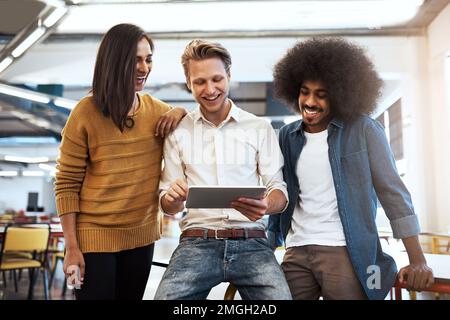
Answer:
[(241, 15), (96, 16), (67, 57)]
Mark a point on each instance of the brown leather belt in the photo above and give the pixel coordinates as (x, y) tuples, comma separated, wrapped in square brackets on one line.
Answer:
[(224, 234)]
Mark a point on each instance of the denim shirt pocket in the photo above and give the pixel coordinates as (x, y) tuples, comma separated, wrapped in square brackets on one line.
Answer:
[(356, 168)]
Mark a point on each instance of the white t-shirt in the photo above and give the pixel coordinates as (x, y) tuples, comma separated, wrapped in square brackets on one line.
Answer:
[(316, 218)]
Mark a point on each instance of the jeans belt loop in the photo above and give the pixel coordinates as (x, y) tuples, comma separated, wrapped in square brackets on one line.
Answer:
[(205, 234), (246, 233)]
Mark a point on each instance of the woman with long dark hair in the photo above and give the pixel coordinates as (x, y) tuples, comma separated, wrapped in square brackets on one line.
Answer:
[(109, 169)]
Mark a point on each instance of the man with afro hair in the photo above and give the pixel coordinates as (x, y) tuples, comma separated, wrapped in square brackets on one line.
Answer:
[(337, 164)]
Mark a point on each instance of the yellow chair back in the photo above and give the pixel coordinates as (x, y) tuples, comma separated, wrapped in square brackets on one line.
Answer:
[(26, 238)]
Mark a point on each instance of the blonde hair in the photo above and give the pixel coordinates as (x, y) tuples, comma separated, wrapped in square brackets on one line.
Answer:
[(201, 49)]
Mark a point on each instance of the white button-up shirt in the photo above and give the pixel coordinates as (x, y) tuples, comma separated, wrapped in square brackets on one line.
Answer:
[(243, 150)]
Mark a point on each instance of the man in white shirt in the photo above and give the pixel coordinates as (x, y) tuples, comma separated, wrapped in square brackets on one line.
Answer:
[(219, 144)]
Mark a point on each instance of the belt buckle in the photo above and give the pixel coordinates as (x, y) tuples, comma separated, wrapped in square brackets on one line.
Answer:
[(215, 235)]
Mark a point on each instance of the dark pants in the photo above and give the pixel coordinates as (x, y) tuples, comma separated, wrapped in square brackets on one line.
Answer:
[(116, 275), (315, 271)]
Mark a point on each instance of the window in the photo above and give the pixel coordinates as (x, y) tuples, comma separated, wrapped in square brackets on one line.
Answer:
[(391, 120)]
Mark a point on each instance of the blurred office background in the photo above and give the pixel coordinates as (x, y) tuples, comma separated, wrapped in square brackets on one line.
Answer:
[(48, 50)]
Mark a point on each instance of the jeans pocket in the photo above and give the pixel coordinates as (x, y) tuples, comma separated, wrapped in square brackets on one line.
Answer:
[(263, 242)]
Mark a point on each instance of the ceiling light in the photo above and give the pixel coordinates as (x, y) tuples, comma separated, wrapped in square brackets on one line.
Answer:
[(28, 42), (47, 167), (65, 103), (33, 173), (51, 169), (22, 93), (8, 173), (54, 17), (5, 63), (26, 159)]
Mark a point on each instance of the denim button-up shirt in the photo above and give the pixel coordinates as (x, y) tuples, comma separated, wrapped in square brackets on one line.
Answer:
[(363, 169)]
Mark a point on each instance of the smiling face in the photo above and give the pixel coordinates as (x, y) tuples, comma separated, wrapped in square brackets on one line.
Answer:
[(314, 106), (143, 64), (210, 85)]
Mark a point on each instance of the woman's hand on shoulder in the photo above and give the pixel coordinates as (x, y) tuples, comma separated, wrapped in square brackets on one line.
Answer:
[(169, 121)]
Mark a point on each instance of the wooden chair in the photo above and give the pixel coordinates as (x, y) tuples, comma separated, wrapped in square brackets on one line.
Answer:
[(440, 244), (25, 247), (436, 243), (396, 291), (230, 292), (12, 273)]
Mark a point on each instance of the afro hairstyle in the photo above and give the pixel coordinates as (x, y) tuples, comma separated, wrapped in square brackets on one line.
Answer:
[(348, 75)]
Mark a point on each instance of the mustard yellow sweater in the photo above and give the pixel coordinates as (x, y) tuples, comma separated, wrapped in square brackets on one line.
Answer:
[(109, 178)]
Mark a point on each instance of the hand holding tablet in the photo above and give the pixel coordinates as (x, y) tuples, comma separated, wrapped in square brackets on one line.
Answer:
[(221, 197)]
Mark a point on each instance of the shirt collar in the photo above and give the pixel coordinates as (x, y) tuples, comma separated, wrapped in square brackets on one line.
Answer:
[(232, 114), (335, 122)]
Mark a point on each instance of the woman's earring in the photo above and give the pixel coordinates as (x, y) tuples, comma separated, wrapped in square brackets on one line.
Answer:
[(129, 123)]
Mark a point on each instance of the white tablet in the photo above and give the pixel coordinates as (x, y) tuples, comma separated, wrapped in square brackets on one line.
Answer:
[(220, 197)]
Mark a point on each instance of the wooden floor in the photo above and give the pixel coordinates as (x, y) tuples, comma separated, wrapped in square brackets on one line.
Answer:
[(9, 292)]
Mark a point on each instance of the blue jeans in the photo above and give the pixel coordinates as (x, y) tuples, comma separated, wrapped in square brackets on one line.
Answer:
[(197, 265)]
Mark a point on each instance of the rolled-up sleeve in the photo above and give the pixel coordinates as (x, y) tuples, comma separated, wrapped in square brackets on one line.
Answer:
[(391, 191), (405, 227)]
